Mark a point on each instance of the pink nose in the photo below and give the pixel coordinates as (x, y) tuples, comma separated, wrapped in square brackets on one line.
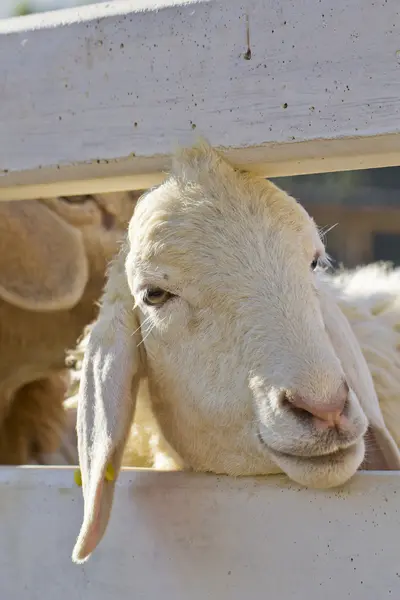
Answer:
[(327, 414)]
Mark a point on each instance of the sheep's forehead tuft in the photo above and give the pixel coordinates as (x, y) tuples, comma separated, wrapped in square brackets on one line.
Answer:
[(214, 207)]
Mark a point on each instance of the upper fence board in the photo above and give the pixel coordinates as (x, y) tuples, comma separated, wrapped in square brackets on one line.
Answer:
[(182, 536), (97, 98)]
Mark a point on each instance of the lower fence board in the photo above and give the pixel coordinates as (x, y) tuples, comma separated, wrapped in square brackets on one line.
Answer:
[(184, 536)]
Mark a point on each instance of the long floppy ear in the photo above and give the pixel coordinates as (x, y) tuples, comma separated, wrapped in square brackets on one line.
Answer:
[(384, 453), (111, 372), (43, 263)]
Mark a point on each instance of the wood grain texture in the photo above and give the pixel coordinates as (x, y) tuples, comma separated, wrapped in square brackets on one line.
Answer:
[(106, 92), (179, 536)]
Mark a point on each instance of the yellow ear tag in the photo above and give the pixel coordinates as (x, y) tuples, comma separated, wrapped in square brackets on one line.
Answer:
[(78, 477), (110, 473)]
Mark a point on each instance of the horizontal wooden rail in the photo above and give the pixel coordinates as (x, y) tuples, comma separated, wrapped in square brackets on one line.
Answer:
[(181, 536), (97, 98)]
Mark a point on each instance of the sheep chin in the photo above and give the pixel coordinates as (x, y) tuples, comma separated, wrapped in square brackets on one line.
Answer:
[(322, 472)]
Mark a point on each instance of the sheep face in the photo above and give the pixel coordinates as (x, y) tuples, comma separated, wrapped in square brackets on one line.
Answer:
[(252, 367), (243, 376)]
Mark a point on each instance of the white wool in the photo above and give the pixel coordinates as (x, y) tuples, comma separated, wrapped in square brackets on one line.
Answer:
[(369, 296)]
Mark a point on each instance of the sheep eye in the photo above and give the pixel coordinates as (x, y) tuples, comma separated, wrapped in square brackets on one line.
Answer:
[(314, 263), (156, 296)]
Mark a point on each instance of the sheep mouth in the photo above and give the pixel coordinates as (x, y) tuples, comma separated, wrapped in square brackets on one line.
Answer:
[(316, 458)]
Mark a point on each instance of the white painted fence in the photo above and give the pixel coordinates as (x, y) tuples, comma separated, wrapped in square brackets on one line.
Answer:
[(96, 99), (191, 537)]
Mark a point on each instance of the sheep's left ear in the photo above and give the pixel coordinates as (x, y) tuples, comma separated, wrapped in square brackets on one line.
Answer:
[(384, 453), (111, 372)]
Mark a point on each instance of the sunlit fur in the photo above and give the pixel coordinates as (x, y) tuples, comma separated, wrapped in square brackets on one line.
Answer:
[(244, 323)]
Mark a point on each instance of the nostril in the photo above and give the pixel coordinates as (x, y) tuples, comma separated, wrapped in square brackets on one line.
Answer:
[(330, 412), (300, 412)]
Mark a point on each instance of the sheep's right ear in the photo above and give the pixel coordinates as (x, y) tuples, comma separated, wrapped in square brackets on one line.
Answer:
[(385, 453), (111, 371)]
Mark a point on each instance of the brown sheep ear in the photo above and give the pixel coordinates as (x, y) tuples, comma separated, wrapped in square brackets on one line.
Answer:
[(43, 263), (382, 451), (111, 372)]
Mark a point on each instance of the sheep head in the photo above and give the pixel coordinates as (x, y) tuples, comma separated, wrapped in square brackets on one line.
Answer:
[(101, 220), (252, 368), (53, 258), (50, 248)]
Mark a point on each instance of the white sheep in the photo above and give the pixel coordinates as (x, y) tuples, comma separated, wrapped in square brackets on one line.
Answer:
[(216, 300), (53, 258)]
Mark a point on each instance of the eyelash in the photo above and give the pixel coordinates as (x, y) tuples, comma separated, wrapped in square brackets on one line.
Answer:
[(323, 261)]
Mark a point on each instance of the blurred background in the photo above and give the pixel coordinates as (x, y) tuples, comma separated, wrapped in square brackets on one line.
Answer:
[(362, 206)]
